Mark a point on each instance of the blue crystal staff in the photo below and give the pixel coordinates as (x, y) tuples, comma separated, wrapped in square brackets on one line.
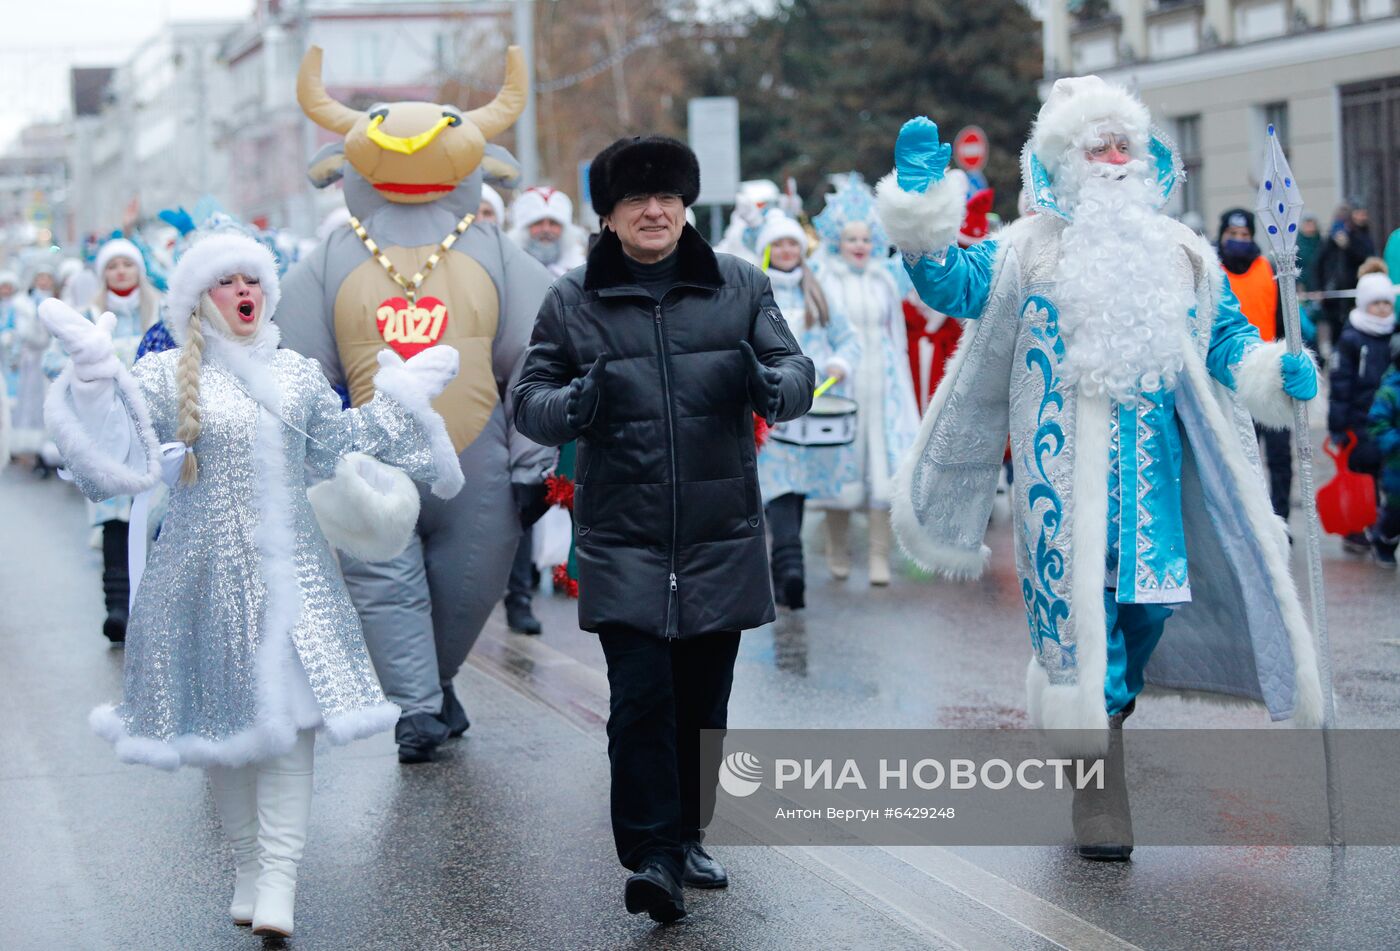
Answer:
[(1279, 207)]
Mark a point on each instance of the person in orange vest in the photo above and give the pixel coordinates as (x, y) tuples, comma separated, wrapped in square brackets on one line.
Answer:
[(1251, 277)]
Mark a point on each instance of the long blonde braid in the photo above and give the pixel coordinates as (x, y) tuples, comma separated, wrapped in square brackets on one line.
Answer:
[(187, 388)]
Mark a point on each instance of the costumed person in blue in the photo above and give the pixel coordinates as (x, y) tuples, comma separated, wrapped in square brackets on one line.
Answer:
[(1106, 343), (860, 288), (789, 472), (243, 641)]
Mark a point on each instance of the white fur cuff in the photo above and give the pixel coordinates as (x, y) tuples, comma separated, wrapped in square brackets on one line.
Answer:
[(398, 383), (921, 222), (82, 449), (1259, 383), (368, 509)]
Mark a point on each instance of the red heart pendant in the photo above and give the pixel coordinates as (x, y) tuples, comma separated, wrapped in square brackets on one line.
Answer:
[(411, 328)]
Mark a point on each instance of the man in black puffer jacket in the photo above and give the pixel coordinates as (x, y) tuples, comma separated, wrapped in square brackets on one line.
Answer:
[(655, 355)]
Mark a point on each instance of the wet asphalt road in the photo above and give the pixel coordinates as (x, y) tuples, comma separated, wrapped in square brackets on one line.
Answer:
[(504, 843)]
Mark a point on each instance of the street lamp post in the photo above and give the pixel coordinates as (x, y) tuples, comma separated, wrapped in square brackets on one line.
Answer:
[(527, 150)]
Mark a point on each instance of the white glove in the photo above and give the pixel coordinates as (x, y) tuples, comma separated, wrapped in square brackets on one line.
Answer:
[(432, 369), (88, 343)]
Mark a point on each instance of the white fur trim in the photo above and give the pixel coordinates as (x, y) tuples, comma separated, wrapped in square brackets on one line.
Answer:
[(1080, 705), (368, 509), (538, 203), (1078, 102), (840, 363), (398, 383), (957, 563), (1064, 710), (209, 259), (81, 451), (1259, 383), (1271, 531), (358, 724), (777, 225), (921, 222), (117, 248)]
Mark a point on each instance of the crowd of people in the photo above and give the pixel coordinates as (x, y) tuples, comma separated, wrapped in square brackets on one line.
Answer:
[(643, 421)]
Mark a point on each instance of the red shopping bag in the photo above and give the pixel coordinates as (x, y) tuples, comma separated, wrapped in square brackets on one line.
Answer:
[(1347, 504)]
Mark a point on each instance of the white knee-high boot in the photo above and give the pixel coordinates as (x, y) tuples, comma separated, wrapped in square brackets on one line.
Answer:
[(235, 795), (284, 811), (838, 541)]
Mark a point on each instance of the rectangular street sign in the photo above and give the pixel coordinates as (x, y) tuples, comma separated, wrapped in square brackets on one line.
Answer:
[(713, 131)]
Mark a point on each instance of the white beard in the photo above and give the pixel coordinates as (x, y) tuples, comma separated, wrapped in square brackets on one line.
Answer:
[(1123, 305)]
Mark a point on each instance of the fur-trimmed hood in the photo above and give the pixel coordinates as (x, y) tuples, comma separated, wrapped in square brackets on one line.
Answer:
[(208, 259)]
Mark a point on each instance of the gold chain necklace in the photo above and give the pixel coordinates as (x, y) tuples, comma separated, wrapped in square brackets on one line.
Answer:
[(410, 288)]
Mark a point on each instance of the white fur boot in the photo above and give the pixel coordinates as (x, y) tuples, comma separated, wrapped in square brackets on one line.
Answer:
[(235, 795), (284, 811), (838, 543)]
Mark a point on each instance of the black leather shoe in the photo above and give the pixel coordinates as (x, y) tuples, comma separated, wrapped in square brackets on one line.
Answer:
[(521, 620), (419, 735), (452, 713), (654, 890), (701, 869)]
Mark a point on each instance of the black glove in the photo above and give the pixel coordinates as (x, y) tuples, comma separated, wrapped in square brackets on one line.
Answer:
[(764, 393), (530, 501), (585, 395)]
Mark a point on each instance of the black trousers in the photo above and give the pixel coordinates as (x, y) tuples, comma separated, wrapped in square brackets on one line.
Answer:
[(784, 515), (1278, 457), (520, 589), (663, 693), (116, 578)]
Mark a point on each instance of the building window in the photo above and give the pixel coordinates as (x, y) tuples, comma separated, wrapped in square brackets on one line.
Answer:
[(1276, 114), (1371, 149), (1188, 146), (1260, 20)]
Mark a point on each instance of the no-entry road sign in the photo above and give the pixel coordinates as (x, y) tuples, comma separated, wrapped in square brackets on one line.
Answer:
[(970, 148)]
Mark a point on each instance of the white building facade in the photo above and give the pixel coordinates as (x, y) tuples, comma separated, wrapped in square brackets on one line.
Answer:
[(152, 145), (1216, 73)]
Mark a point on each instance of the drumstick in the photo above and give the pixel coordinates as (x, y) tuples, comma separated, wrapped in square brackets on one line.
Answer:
[(827, 384)]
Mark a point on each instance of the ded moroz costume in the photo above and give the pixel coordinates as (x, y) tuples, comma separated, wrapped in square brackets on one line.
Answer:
[(1106, 343)]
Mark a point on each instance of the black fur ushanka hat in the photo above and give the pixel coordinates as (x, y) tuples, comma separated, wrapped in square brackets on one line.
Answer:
[(643, 166)]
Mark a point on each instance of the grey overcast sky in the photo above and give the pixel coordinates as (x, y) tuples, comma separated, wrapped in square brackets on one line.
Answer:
[(43, 38)]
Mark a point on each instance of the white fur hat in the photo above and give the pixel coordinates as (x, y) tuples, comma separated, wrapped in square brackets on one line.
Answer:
[(118, 248), (778, 225), (537, 204), (493, 198), (208, 259), (1372, 288), (1080, 102)]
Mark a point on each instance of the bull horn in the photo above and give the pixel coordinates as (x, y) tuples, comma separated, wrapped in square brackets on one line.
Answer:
[(318, 105), (500, 113)]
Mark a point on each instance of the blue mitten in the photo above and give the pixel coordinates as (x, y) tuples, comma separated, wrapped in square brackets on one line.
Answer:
[(919, 158), (1299, 376)]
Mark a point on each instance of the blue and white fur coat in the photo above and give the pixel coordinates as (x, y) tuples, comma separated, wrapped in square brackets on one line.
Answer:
[(1243, 637)]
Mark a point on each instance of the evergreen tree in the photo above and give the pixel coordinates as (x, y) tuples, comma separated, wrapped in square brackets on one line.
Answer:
[(824, 85)]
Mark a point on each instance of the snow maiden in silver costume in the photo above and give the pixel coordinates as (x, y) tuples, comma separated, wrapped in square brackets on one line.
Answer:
[(1107, 346), (242, 639)]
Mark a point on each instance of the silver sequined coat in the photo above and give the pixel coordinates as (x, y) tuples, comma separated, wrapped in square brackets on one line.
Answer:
[(242, 632)]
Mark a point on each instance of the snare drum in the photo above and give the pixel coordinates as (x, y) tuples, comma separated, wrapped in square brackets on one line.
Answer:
[(830, 422)]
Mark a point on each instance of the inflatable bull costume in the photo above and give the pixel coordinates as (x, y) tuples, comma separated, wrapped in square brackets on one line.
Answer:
[(413, 270)]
